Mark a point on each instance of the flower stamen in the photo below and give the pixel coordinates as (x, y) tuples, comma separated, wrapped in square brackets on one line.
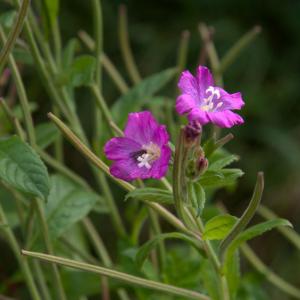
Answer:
[(208, 102), (152, 154)]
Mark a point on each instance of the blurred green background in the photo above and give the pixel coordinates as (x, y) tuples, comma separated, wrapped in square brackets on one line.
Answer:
[(267, 73)]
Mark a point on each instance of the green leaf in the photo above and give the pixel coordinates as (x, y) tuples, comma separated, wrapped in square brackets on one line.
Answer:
[(144, 250), (233, 274), (136, 97), (252, 232), (52, 7), (197, 196), (223, 162), (22, 168), (67, 204), (69, 52), (218, 227), (46, 134), (80, 73), (221, 178), (151, 194), (7, 19)]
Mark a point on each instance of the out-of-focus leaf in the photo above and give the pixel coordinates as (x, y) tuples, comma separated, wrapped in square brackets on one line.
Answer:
[(79, 73), (221, 178), (22, 168), (252, 232), (151, 194), (218, 227), (8, 204), (69, 52), (138, 95), (7, 19), (144, 250), (46, 134), (67, 204), (52, 7)]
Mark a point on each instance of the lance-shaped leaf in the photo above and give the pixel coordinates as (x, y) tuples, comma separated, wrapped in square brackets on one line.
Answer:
[(145, 250), (136, 97), (22, 168), (247, 215), (67, 204), (252, 232), (218, 227), (223, 162), (152, 195)]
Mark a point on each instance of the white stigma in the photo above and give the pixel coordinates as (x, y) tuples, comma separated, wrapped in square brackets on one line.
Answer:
[(144, 161), (152, 154), (209, 105)]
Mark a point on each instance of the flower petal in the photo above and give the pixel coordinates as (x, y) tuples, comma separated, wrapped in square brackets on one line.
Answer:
[(185, 103), (198, 115), (121, 148), (160, 136), (225, 118), (188, 84), (204, 80), (160, 166), (141, 126), (230, 101), (128, 170)]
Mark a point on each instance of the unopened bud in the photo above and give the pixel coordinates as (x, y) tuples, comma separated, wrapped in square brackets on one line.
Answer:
[(193, 132), (201, 165)]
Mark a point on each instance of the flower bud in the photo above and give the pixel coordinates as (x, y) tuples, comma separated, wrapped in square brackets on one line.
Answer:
[(201, 165), (192, 133)]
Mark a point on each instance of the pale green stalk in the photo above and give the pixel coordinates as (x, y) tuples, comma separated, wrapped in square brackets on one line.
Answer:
[(13, 35), (183, 51), (237, 48), (22, 94), (125, 46), (45, 232), (22, 262), (101, 251), (107, 64), (287, 232), (269, 274), (41, 280), (133, 280)]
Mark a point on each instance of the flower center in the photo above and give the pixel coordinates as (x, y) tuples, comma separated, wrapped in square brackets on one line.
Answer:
[(210, 103), (150, 153)]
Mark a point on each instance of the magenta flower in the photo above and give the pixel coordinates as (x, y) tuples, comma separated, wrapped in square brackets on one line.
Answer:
[(143, 152), (201, 100)]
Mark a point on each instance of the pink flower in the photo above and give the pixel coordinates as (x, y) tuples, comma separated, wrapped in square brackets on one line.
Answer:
[(143, 152), (201, 100)]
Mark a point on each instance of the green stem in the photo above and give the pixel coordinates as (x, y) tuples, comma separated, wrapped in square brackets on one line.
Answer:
[(60, 291), (153, 285), (41, 280), (287, 232), (212, 52), (125, 46), (22, 262), (107, 64), (183, 51), (237, 48), (213, 259), (246, 217), (22, 94), (269, 274), (12, 37)]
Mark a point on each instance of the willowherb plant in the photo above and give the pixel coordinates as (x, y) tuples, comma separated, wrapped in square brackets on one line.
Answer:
[(169, 172)]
